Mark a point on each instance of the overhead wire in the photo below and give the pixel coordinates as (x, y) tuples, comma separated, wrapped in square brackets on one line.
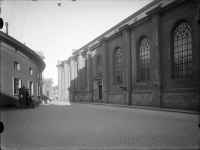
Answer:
[(12, 13), (24, 20)]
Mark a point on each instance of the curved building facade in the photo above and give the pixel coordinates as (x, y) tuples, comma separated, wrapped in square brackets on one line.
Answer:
[(19, 66)]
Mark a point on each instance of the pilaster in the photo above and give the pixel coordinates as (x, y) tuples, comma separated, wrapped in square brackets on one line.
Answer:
[(89, 74), (126, 32), (105, 69), (59, 80), (66, 80), (72, 88), (156, 56)]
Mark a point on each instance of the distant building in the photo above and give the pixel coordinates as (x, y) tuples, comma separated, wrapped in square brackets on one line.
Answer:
[(19, 66), (55, 92), (41, 54), (151, 58), (48, 87)]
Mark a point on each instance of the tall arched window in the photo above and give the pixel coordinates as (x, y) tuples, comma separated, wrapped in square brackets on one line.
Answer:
[(99, 66), (182, 50), (144, 60), (118, 66)]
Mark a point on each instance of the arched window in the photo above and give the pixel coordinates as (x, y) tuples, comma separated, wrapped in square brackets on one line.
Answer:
[(144, 60), (99, 66), (118, 66), (182, 50)]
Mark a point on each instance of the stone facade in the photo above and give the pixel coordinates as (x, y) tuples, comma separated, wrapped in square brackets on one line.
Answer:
[(55, 93), (150, 69), (48, 87)]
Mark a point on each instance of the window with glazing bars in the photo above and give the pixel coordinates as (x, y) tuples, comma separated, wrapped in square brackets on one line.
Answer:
[(17, 85), (144, 60), (118, 67), (182, 50), (99, 66)]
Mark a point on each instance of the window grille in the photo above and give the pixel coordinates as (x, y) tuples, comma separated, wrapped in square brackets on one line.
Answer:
[(182, 50), (118, 67), (99, 66), (144, 60)]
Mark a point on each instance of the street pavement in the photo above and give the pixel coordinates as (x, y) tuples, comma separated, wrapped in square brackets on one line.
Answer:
[(64, 126)]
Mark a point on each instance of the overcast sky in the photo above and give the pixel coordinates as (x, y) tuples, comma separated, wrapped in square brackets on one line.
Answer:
[(44, 26)]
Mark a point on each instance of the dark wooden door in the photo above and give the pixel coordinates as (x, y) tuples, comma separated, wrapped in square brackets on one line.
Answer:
[(100, 91)]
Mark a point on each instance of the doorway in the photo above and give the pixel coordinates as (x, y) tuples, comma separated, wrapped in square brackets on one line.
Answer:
[(100, 91)]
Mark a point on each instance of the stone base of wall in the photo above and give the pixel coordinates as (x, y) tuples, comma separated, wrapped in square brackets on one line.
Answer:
[(85, 97), (182, 100), (141, 99), (116, 99), (97, 100), (76, 98), (151, 98)]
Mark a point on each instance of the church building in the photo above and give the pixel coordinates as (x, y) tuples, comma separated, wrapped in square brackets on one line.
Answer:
[(149, 59)]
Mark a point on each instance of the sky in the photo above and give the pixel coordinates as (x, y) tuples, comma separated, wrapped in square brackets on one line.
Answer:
[(56, 30)]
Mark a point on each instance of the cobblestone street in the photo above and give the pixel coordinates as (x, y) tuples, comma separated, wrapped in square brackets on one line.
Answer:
[(77, 126)]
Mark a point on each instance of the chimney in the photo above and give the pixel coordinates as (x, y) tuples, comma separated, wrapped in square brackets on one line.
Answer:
[(6, 28)]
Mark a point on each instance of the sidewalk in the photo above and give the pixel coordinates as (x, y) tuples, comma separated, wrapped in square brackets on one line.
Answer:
[(142, 107)]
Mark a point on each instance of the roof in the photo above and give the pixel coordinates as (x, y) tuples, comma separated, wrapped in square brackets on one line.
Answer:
[(129, 20), (23, 49)]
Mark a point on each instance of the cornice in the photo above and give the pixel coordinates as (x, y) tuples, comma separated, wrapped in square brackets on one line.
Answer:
[(140, 21), (114, 35), (75, 57), (126, 26), (157, 9), (95, 46), (148, 17), (23, 49), (83, 53), (103, 39), (59, 65), (173, 4), (122, 22)]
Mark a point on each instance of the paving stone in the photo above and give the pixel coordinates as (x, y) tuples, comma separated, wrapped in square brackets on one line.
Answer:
[(76, 126)]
